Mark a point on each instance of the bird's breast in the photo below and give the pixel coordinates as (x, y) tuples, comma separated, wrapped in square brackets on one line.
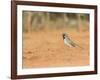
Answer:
[(67, 43)]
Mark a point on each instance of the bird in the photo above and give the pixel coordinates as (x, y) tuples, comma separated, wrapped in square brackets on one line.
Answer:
[(68, 41)]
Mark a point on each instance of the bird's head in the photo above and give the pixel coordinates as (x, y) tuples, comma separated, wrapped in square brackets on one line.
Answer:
[(64, 35)]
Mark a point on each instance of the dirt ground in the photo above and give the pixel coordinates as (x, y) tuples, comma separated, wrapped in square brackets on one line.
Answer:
[(45, 48)]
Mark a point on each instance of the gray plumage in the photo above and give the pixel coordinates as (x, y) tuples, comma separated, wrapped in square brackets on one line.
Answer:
[(68, 41)]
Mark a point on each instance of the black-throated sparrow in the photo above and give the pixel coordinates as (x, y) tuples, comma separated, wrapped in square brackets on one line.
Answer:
[(68, 41)]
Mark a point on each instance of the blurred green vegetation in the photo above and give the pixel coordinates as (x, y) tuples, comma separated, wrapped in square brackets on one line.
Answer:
[(35, 20)]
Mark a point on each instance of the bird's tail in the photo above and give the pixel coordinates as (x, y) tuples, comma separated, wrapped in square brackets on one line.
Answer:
[(79, 46)]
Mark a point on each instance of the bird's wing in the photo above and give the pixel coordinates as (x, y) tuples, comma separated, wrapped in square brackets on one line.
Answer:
[(74, 44), (71, 42)]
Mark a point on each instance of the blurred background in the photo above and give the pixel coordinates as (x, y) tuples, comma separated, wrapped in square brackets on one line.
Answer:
[(34, 21), (43, 44)]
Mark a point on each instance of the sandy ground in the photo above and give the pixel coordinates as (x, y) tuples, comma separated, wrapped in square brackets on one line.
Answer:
[(46, 49)]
